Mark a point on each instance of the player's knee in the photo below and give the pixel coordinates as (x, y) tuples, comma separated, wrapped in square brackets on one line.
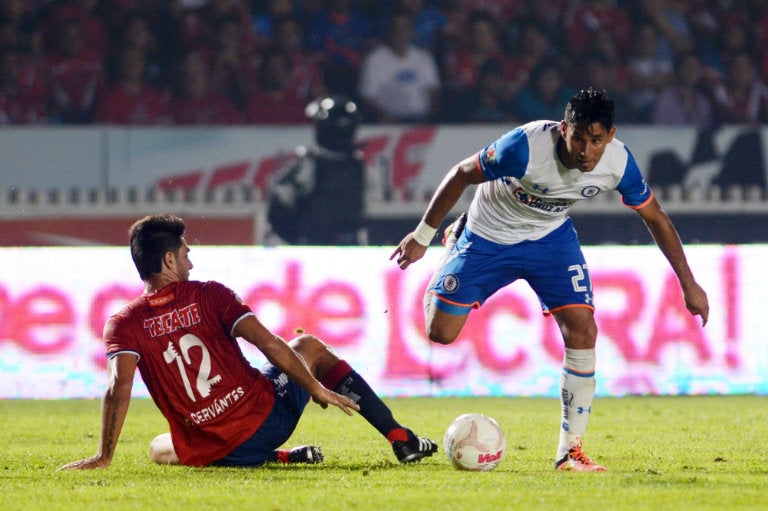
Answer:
[(442, 327), (309, 345), (317, 355), (441, 335)]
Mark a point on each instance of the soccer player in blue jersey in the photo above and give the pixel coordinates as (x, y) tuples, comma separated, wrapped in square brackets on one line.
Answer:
[(518, 227)]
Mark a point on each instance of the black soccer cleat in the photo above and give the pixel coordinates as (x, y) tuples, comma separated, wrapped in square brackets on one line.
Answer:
[(305, 454), (413, 449)]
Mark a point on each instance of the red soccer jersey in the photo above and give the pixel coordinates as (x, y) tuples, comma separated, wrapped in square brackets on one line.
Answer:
[(193, 367)]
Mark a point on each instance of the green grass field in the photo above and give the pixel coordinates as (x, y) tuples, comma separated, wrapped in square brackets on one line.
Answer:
[(663, 453)]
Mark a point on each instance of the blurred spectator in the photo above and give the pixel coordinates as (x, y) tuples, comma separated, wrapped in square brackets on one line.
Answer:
[(649, 72), (235, 65), (115, 11), (428, 21), (131, 99), (135, 32), (287, 37), (19, 28), (92, 24), (733, 42), (288, 79), (196, 102), (264, 20), (189, 26), (342, 33), (760, 24), (208, 24), (453, 34), (545, 95), (532, 48), (278, 98), (400, 81), (742, 97), (461, 64), (672, 19), (603, 70), (585, 19), (684, 101), (237, 13), (489, 101), (501, 10), (21, 101), (547, 15), (75, 74)]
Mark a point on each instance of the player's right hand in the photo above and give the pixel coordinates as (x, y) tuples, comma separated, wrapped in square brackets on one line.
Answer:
[(408, 251), (696, 302)]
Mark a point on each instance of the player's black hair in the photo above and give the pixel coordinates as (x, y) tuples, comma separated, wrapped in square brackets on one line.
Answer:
[(151, 238), (588, 107)]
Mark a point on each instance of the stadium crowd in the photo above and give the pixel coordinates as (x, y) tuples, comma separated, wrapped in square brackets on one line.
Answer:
[(695, 62)]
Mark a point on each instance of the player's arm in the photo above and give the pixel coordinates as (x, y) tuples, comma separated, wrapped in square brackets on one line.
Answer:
[(281, 355), (114, 408), (462, 175), (666, 237)]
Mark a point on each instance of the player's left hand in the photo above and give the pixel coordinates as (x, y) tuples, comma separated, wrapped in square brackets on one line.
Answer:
[(696, 302), (86, 464), (327, 397)]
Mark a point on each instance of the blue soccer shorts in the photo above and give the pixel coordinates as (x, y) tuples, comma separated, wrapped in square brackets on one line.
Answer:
[(553, 266), (290, 401)]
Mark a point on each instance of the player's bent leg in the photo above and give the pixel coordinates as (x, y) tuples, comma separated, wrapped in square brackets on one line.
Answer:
[(443, 327), (337, 375), (450, 237), (161, 450), (317, 355)]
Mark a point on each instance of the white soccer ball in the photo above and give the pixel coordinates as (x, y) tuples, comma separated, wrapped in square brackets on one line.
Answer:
[(474, 442)]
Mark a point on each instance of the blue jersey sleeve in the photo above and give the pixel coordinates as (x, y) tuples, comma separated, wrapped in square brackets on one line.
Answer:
[(634, 191), (507, 156)]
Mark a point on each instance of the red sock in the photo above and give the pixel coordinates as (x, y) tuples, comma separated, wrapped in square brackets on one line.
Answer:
[(282, 455), (397, 434)]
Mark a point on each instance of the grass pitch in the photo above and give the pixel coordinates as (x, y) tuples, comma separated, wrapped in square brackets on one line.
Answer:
[(663, 453)]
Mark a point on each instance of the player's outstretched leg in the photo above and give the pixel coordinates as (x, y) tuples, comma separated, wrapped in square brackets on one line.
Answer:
[(407, 446)]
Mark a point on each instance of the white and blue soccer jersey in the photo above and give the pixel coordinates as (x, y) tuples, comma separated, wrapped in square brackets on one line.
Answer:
[(529, 191)]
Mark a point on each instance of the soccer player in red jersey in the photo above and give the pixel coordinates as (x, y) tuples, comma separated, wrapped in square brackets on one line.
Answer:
[(182, 336)]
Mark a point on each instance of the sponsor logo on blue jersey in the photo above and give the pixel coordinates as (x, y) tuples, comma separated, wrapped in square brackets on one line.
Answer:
[(536, 202)]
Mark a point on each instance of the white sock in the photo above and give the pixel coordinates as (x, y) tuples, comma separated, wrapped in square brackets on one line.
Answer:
[(577, 389)]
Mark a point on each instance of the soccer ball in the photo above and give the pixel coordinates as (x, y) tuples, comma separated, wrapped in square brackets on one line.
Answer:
[(474, 442)]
